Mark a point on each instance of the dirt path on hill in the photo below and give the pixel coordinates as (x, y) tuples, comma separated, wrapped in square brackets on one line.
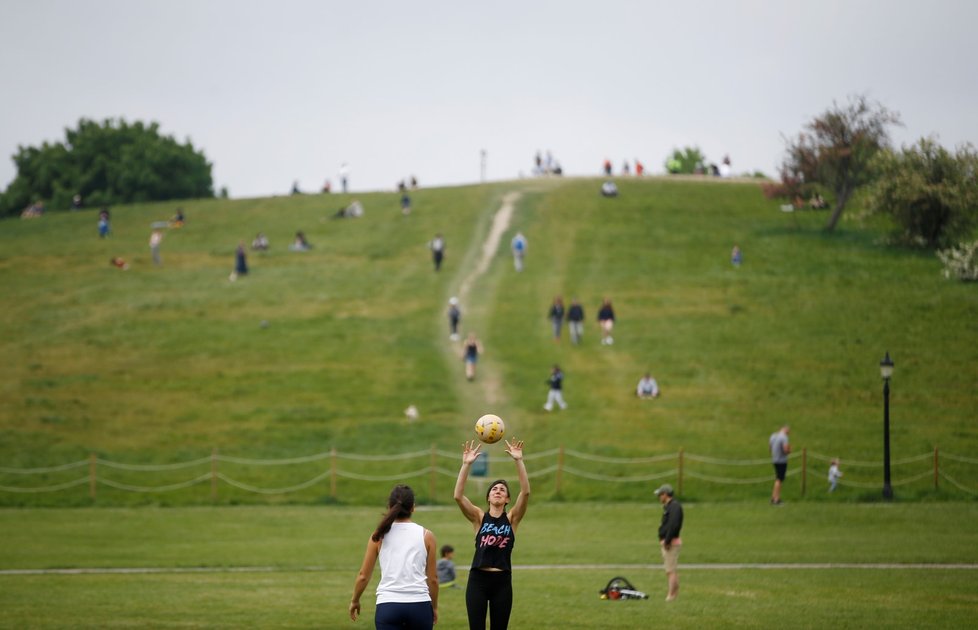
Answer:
[(500, 223), (489, 380)]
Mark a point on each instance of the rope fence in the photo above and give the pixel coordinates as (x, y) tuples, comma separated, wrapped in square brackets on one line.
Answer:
[(558, 465)]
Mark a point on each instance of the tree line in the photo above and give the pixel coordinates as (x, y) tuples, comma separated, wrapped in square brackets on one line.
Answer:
[(107, 163), (930, 192)]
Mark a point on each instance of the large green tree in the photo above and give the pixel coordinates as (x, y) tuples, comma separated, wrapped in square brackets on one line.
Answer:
[(107, 163), (931, 193), (836, 149)]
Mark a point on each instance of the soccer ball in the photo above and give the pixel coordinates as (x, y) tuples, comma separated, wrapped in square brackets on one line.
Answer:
[(490, 428)]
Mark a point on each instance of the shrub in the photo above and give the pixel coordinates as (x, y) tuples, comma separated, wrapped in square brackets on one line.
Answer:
[(961, 261), (931, 193)]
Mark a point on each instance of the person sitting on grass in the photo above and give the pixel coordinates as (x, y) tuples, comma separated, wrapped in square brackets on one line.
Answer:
[(300, 244), (647, 387), (446, 567)]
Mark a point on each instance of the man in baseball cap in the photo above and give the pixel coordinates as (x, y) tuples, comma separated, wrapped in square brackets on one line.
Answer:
[(669, 541)]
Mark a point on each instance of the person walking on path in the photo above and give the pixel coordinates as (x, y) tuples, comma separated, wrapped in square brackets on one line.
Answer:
[(490, 583), (669, 541), (556, 394), (437, 247), (519, 246), (780, 449), (556, 315), (470, 354), (575, 321), (454, 316), (606, 320), (407, 596)]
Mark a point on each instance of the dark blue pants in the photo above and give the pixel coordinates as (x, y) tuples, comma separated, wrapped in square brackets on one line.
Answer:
[(412, 616)]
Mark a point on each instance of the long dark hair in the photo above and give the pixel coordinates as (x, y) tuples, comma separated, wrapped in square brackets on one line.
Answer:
[(400, 504)]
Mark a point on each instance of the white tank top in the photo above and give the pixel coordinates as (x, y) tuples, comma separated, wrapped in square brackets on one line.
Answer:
[(403, 559)]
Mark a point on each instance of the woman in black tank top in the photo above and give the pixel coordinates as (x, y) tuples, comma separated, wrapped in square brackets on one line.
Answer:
[(490, 586)]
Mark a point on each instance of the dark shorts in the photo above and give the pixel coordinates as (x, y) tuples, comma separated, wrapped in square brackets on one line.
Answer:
[(417, 615), (780, 470)]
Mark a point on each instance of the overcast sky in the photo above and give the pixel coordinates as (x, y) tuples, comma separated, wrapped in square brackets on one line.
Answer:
[(278, 91)]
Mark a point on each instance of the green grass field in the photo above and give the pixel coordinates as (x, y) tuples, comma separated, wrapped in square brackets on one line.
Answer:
[(293, 566), (159, 366), (164, 365)]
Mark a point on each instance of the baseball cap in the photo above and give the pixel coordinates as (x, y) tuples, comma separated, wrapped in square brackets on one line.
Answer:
[(664, 489)]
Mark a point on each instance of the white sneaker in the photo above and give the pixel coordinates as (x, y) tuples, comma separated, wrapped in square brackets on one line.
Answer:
[(610, 340)]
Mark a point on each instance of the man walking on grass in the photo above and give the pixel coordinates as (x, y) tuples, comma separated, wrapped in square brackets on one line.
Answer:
[(780, 449), (669, 541)]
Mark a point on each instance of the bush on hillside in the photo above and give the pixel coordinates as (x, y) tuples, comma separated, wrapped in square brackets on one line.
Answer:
[(109, 163), (931, 193), (788, 187), (961, 262), (687, 161)]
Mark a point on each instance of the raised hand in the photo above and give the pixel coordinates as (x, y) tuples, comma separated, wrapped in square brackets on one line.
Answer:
[(470, 451), (515, 449)]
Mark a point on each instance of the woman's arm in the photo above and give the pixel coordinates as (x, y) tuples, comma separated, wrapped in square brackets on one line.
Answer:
[(431, 571), (470, 451), (363, 577), (515, 450)]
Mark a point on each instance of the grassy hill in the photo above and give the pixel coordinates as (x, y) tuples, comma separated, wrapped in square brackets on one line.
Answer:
[(325, 349)]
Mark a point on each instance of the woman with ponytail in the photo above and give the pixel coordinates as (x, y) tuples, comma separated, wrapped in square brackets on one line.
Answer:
[(407, 596)]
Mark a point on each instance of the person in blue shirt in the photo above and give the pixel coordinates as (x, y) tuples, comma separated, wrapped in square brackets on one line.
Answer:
[(518, 245)]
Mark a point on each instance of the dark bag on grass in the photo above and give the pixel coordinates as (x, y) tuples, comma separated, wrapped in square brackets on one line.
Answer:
[(620, 588)]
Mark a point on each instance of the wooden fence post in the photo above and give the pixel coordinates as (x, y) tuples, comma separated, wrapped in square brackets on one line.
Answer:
[(214, 475), (937, 467), (92, 465), (560, 469), (332, 473), (804, 470), (679, 482)]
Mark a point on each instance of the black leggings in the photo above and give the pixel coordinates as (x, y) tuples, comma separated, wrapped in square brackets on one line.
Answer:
[(492, 590)]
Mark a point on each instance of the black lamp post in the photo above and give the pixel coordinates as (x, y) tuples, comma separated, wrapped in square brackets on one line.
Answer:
[(886, 371)]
